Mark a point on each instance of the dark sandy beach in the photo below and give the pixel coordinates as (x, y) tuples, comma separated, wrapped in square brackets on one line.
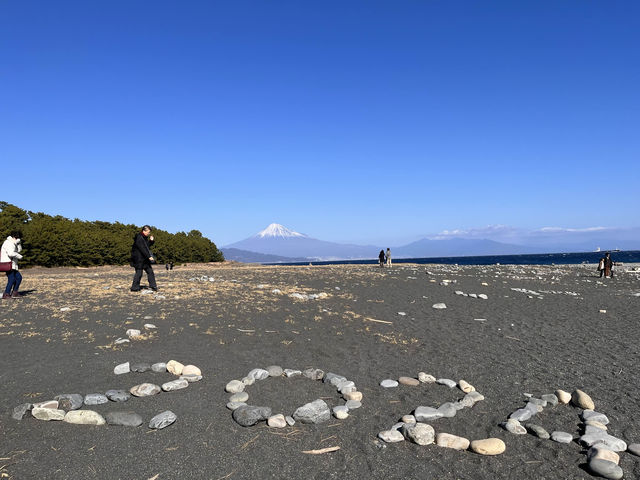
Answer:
[(524, 343)]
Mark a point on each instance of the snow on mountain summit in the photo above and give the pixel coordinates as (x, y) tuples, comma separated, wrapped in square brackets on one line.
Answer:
[(276, 230)]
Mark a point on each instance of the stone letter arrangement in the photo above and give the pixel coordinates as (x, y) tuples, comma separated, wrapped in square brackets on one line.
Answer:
[(415, 429), (602, 456), (315, 412), (66, 407)]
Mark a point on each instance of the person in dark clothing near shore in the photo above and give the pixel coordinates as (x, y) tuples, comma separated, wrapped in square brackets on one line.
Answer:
[(142, 258), (381, 258), (608, 266)]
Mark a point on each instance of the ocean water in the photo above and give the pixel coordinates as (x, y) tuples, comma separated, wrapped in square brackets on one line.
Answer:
[(632, 256)]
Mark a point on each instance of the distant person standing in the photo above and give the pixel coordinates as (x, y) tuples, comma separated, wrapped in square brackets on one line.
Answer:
[(601, 266), (10, 252), (608, 266), (142, 258), (381, 258), (388, 257)]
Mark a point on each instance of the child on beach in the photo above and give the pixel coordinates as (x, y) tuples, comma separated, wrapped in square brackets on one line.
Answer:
[(381, 258)]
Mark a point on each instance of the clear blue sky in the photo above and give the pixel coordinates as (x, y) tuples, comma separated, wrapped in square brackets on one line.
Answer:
[(350, 121)]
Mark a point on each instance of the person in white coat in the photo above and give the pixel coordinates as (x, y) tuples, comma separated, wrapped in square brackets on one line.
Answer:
[(10, 252)]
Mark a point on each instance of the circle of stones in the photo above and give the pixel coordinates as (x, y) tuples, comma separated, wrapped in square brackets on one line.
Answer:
[(414, 427), (602, 447), (314, 412), (68, 407)]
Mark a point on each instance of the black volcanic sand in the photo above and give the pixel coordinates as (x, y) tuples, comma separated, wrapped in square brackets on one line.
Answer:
[(236, 323)]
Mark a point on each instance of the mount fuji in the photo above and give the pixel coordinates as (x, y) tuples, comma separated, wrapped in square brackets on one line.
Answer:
[(279, 240)]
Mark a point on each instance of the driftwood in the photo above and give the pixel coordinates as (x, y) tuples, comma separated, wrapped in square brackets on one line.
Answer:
[(321, 450)]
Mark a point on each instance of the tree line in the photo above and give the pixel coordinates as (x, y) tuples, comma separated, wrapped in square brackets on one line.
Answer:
[(56, 241)]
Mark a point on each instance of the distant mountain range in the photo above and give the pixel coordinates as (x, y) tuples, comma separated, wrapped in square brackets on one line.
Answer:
[(277, 243)]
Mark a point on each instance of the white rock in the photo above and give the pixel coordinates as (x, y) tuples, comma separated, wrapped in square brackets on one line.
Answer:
[(439, 306)]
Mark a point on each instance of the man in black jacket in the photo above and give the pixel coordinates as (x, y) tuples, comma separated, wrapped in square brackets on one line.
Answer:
[(141, 259)]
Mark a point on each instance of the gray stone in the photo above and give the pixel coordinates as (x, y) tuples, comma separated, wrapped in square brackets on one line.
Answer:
[(333, 378), (601, 436), (420, 433), (426, 378), (605, 468), (117, 395), (534, 408), (48, 413), (391, 436), (46, 404), (551, 399), (290, 420), (239, 397), (445, 381), (235, 405), (258, 374), (513, 426), (388, 383), (236, 386), (561, 437), (175, 385), (346, 386), (95, 399), (122, 368), (162, 420), (341, 412), (313, 412), (634, 448), (427, 414), (191, 378), (439, 306), (471, 398), (159, 367), (249, 415), (144, 390), (84, 417), (20, 411), (313, 374), (353, 404), (140, 367), (125, 419), (448, 410), (274, 371), (69, 401), (292, 373), (598, 417), (247, 381), (522, 414), (538, 431), (538, 401)]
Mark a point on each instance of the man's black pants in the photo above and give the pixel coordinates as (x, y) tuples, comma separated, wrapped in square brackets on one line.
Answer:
[(138, 276)]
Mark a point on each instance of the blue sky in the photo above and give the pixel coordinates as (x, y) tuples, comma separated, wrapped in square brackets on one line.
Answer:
[(349, 121)]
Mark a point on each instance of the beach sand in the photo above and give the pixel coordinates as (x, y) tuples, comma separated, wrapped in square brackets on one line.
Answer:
[(508, 345)]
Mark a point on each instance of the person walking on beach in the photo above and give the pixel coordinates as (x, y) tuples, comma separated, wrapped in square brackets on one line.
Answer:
[(388, 257), (381, 258), (608, 266), (142, 258), (10, 252)]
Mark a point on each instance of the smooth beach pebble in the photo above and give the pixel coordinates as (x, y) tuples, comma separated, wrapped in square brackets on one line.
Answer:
[(551, 399), (69, 401), (448, 410), (239, 397), (159, 367), (412, 382), (292, 373), (595, 416), (514, 426), (408, 419), (133, 332), (275, 371), (21, 410), (466, 387), (439, 306), (162, 420), (174, 367), (605, 469), (595, 423), (175, 385), (234, 386), (84, 417), (235, 405), (419, 433), (48, 413), (341, 412), (538, 431), (140, 367), (190, 370), (388, 383), (144, 390), (447, 440), (634, 448), (277, 421), (561, 437), (313, 412), (122, 368), (582, 400), (47, 404), (249, 415), (426, 414), (391, 436), (446, 381), (563, 397), (313, 373), (603, 453), (426, 378), (117, 395), (357, 396), (191, 378), (488, 446), (353, 404), (95, 399)]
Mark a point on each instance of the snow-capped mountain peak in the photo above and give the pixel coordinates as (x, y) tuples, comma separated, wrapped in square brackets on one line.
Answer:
[(276, 230)]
